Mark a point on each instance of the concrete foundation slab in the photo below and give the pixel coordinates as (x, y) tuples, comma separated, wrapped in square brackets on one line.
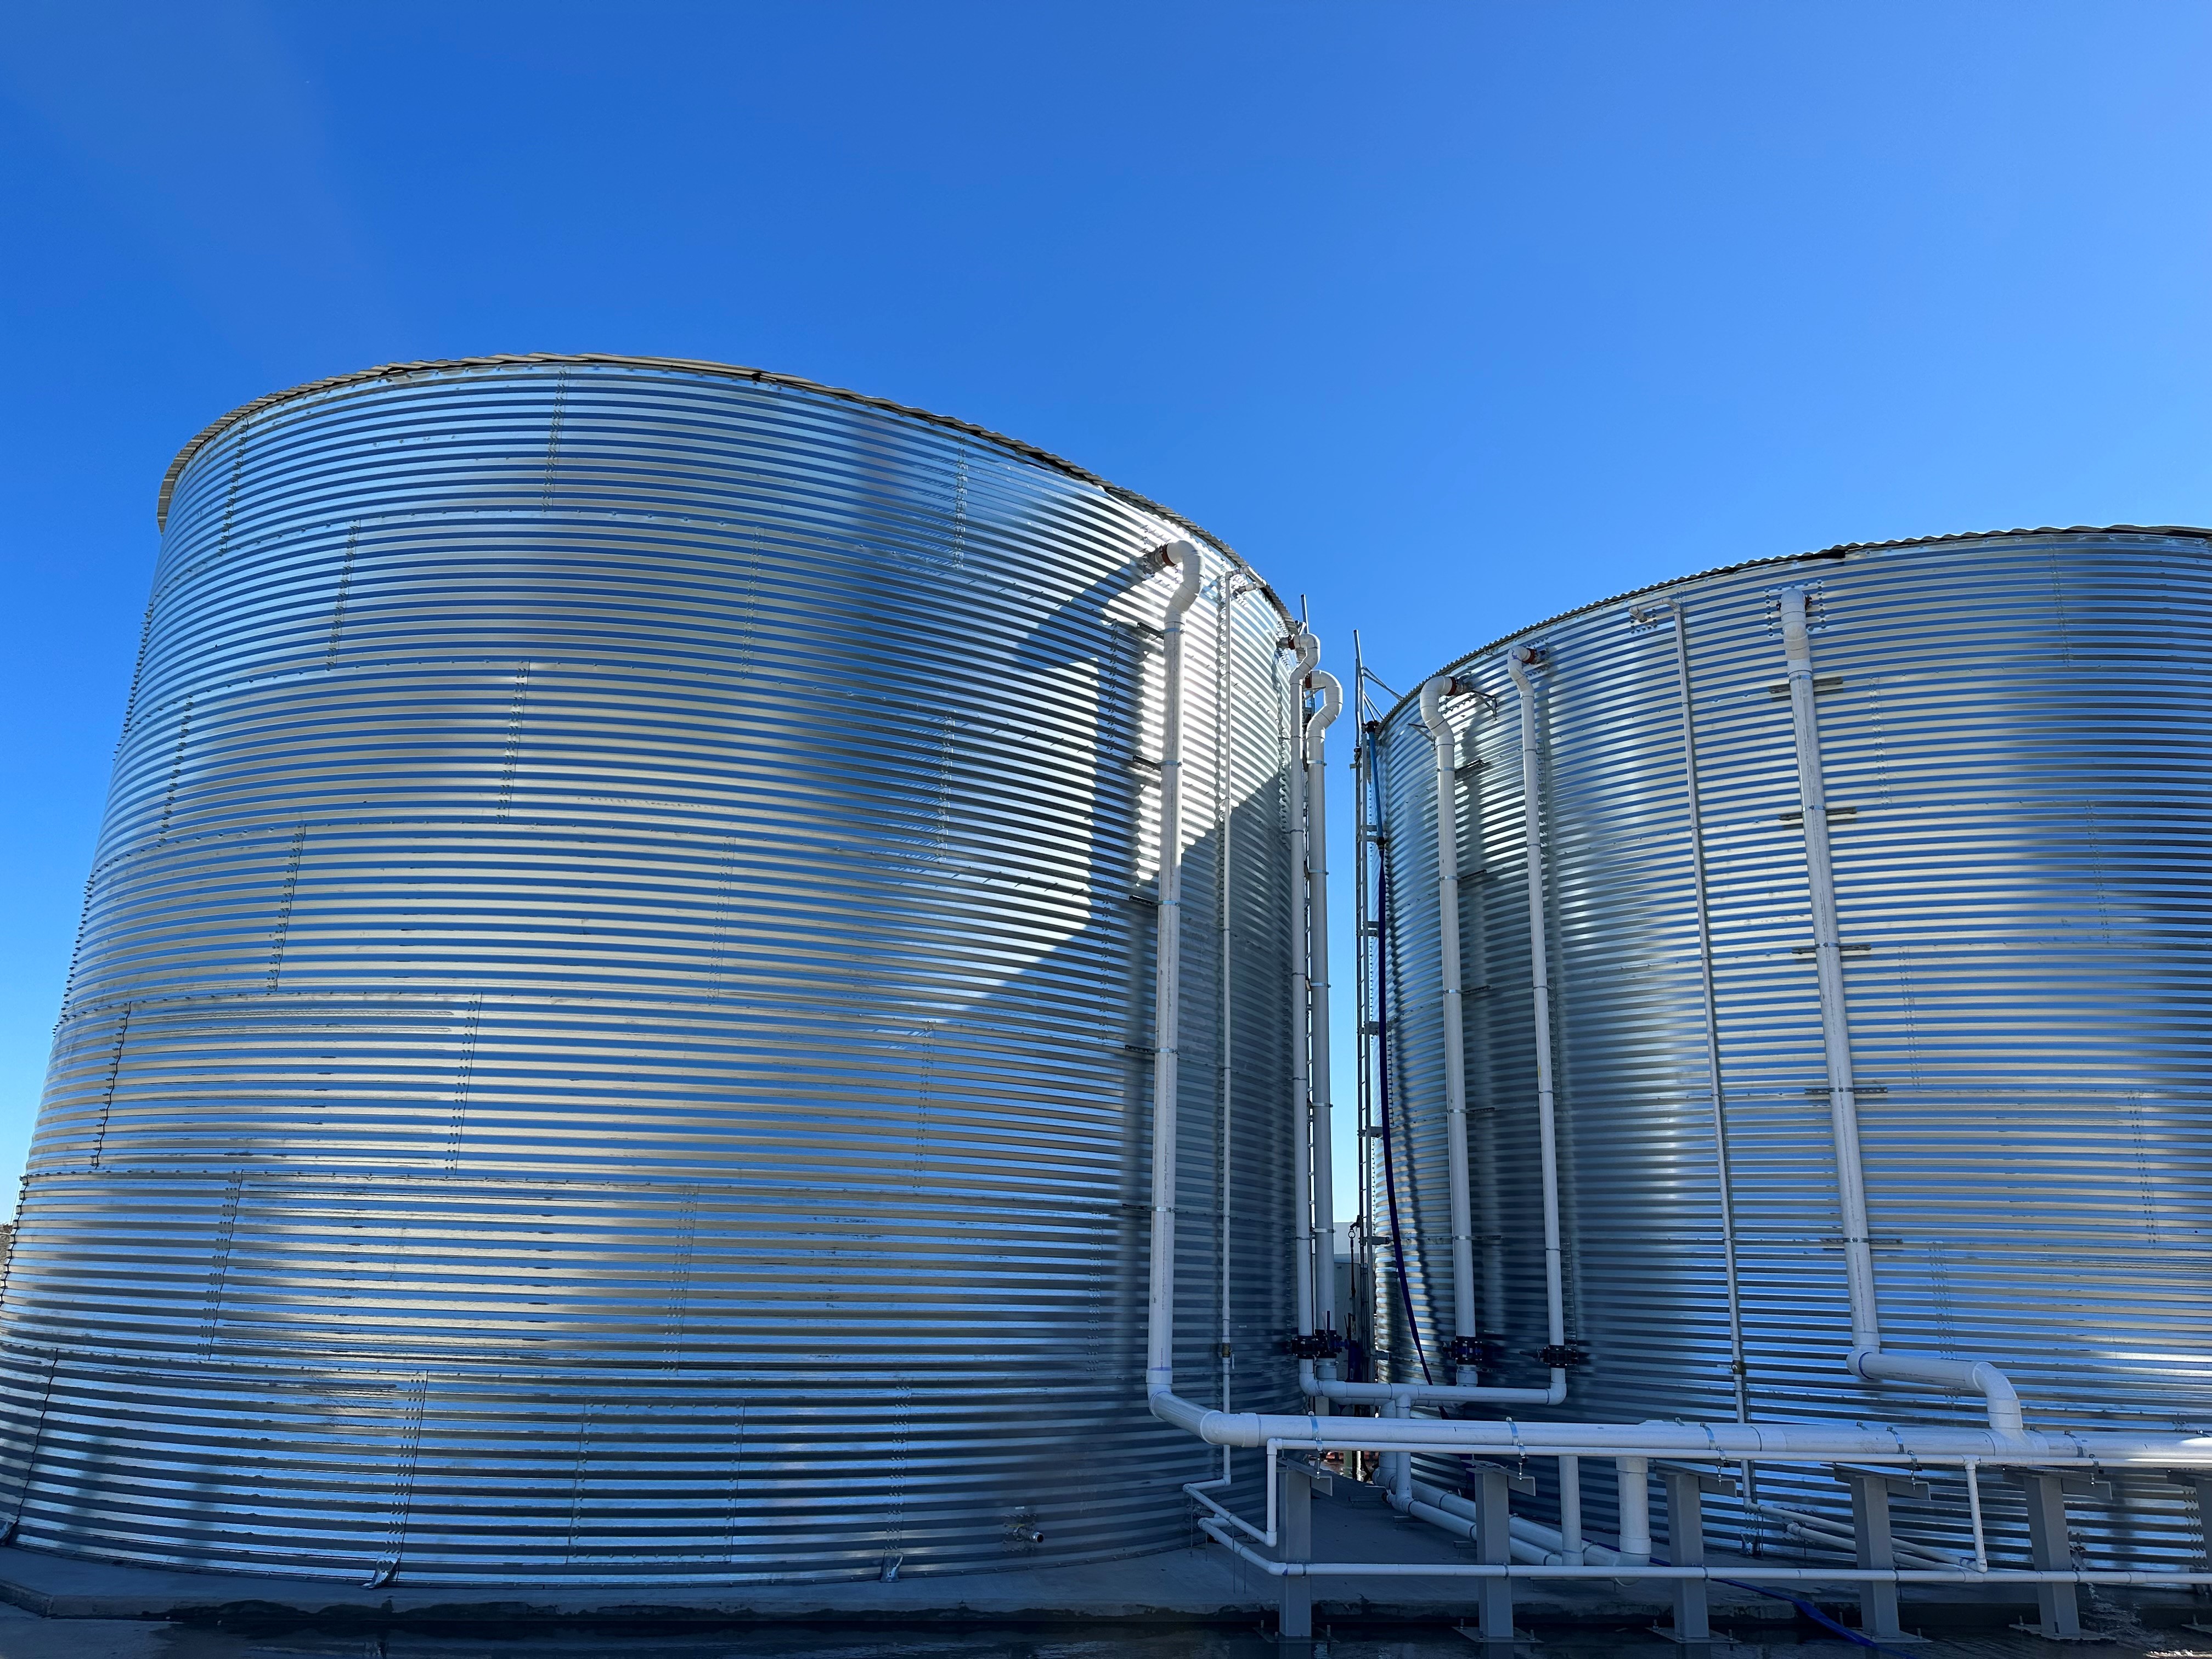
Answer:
[(1204, 1585)]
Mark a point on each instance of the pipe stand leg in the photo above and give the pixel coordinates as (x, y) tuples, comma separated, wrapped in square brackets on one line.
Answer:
[(1874, 1547), (2059, 1616), (1685, 1547), (1494, 1546), (1294, 1610)]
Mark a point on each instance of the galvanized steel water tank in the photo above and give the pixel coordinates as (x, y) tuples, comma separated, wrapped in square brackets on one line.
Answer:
[(610, 1037), (2017, 751)]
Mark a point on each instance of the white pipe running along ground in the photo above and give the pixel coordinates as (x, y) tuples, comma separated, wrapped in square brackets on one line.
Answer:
[(1867, 1360), (1166, 983), (1532, 1541)]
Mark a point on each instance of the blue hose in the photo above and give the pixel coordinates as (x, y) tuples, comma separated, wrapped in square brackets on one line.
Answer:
[(1854, 1638)]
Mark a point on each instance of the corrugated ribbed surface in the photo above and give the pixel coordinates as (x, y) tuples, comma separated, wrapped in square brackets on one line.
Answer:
[(609, 1038), (2015, 738)]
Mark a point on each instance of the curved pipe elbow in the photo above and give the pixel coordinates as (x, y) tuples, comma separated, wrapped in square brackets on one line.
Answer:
[(1518, 661), (1433, 693), (1182, 557), (1219, 1428), (1332, 700), (1307, 644), (1332, 705), (2000, 1398)]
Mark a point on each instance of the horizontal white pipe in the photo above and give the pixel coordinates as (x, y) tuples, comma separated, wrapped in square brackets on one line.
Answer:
[(1534, 1541), (1819, 1529), (1721, 1573), (1551, 1545), (1450, 1520), (1199, 1490), (1963, 1376), (1808, 1443), (1431, 1393)]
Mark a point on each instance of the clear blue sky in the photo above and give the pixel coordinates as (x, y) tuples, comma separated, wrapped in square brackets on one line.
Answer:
[(1449, 316)]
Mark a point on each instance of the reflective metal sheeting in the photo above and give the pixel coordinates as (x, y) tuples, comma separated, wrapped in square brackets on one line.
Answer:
[(2016, 753), (611, 1033)]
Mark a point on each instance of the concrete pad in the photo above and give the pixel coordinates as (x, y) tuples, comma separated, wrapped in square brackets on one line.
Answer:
[(1201, 1586)]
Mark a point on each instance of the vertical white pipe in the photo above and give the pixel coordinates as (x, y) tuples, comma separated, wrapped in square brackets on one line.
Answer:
[(1867, 1359), (1301, 1006), (1570, 1510), (1225, 900), (1828, 967), (1445, 746), (1324, 1169), (1402, 1470), (1635, 1477), (1974, 1514), (1167, 983), (1517, 662)]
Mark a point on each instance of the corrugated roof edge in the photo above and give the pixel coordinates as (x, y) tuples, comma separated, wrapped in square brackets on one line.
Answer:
[(729, 371), (1836, 552)]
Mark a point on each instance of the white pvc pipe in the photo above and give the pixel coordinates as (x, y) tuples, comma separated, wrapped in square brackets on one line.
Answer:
[(1226, 1079), (1532, 1540), (1867, 1359), (1836, 1535), (1445, 746), (1549, 1546), (1724, 1442), (1517, 663), (1167, 984), (1635, 1478), (1301, 1009), (1432, 1393), (1324, 1158)]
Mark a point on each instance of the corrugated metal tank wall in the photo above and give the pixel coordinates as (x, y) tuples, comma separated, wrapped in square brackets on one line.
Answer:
[(610, 1034), (2016, 744)]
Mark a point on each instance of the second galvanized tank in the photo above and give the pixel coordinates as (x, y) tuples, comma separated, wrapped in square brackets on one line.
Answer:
[(610, 1038), (2015, 751)]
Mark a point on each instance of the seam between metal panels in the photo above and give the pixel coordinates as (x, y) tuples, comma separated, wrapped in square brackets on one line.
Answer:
[(720, 371)]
